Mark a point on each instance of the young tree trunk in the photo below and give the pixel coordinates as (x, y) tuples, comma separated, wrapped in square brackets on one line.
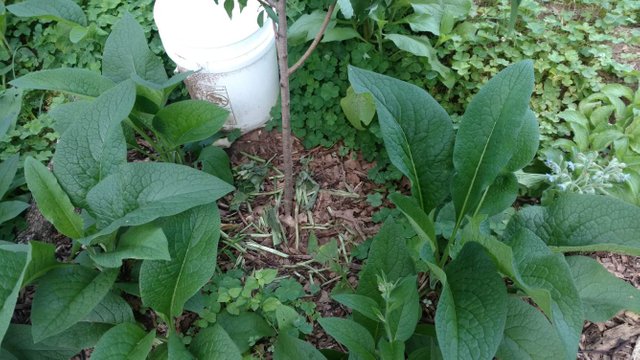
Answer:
[(280, 7), (287, 146)]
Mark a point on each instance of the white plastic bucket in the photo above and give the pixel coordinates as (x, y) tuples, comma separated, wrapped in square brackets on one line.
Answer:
[(235, 58)]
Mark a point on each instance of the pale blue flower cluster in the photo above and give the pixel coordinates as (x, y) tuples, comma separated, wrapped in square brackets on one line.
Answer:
[(587, 174)]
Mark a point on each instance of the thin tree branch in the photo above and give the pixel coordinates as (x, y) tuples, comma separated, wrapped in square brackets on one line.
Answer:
[(316, 40)]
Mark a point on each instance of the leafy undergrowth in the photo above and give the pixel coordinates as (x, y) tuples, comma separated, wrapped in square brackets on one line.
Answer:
[(331, 244)]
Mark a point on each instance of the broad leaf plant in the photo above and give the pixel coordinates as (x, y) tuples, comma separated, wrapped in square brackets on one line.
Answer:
[(522, 294), (146, 229)]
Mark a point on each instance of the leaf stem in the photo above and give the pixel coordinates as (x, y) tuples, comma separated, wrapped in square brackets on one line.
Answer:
[(387, 328), (480, 203), (445, 255), (154, 144), (6, 43)]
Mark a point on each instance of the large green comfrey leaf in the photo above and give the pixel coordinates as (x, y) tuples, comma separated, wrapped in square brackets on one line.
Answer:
[(82, 335), (10, 105), (43, 259), (53, 202), (112, 309), (527, 143), (437, 12), (388, 255), (13, 262), (8, 170), (360, 303), (214, 343), (146, 242), (142, 192), (81, 82), (215, 161), (528, 334), (405, 302), (189, 121), (421, 46), (288, 347), (64, 115), (603, 295), (19, 345), (193, 237), (93, 148), (125, 341), (580, 222), (11, 209), (59, 10), (472, 310), (126, 53), (417, 132), (176, 349), (540, 268), (66, 296), (245, 329), (500, 195), (503, 257), (419, 220), (485, 142), (352, 335)]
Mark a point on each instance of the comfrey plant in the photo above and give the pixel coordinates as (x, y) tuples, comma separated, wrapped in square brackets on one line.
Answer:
[(159, 217), (522, 294), (149, 229)]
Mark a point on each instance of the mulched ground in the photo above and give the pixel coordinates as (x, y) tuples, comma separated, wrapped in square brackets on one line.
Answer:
[(339, 211)]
